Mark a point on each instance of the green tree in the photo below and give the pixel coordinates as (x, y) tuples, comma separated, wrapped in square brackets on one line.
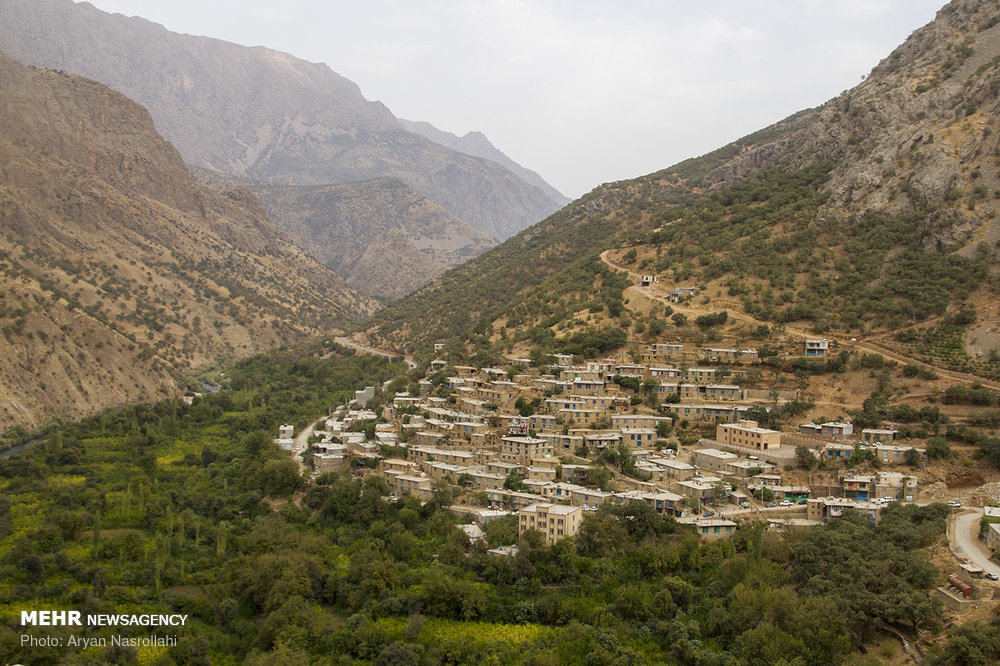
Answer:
[(281, 477), (937, 448), (804, 457), (974, 643)]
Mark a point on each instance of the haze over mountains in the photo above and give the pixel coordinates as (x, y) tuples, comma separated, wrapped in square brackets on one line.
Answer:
[(267, 116), (478, 145), (382, 237), (118, 269)]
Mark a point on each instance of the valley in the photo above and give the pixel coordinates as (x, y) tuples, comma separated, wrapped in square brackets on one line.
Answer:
[(340, 388)]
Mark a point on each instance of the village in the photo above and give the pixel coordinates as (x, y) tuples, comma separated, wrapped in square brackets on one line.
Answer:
[(551, 444)]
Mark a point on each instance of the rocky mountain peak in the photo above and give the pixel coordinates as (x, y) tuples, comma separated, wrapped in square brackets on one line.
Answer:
[(919, 132)]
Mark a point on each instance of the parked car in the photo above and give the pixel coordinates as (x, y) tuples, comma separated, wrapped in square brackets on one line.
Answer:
[(992, 576), (745, 505), (770, 505), (785, 503), (954, 504)]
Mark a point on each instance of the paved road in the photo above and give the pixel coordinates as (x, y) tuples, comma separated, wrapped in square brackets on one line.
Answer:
[(347, 342), (966, 543)]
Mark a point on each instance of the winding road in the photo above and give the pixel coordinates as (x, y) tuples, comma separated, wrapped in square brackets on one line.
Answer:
[(736, 313), (347, 342), (965, 540)]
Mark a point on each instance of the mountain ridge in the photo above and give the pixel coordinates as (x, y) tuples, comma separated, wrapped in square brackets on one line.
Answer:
[(879, 205), (477, 144), (119, 271), (382, 237), (261, 114)]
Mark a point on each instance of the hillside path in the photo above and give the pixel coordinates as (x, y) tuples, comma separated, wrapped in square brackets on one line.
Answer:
[(347, 342), (652, 294)]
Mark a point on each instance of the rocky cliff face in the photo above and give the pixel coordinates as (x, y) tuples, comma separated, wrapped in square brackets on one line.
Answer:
[(478, 145), (118, 270), (257, 113), (919, 134), (381, 236)]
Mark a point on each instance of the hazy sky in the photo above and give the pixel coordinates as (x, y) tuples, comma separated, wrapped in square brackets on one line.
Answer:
[(583, 91)]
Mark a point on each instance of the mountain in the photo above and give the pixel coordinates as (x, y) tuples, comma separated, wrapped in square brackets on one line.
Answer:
[(261, 114), (382, 237), (477, 145), (118, 270), (871, 213)]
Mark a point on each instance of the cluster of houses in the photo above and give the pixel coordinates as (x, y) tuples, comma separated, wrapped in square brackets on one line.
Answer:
[(478, 436)]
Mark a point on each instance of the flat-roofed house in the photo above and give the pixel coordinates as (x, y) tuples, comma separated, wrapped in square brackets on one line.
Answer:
[(522, 449), (554, 521), (746, 434), (713, 459)]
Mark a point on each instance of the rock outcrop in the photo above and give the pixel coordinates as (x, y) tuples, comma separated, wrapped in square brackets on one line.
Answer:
[(118, 269)]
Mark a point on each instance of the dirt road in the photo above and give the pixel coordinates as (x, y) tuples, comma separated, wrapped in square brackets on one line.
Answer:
[(691, 311), (347, 342), (301, 443)]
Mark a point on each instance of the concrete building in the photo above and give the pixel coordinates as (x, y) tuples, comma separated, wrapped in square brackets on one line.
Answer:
[(670, 469), (638, 421), (842, 451), (747, 434), (554, 521), (883, 435), (993, 537), (824, 508), (723, 392), (859, 487), (817, 347), (522, 449), (563, 444), (837, 429), (713, 459), (710, 528), (410, 484), (743, 468), (701, 487), (706, 412), (700, 375), (637, 438), (890, 454), (896, 486), (663, 502)]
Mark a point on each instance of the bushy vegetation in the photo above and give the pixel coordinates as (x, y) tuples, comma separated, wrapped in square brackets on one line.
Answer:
[(760, 237), (192, 509)]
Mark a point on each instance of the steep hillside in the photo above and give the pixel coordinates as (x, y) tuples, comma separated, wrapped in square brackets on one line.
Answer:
[(262, 114), (478, 145), (875, 211), (383, 238), (117, 269)]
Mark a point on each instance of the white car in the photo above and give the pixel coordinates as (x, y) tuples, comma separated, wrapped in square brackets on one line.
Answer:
[(954, 504), (785, 503)]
